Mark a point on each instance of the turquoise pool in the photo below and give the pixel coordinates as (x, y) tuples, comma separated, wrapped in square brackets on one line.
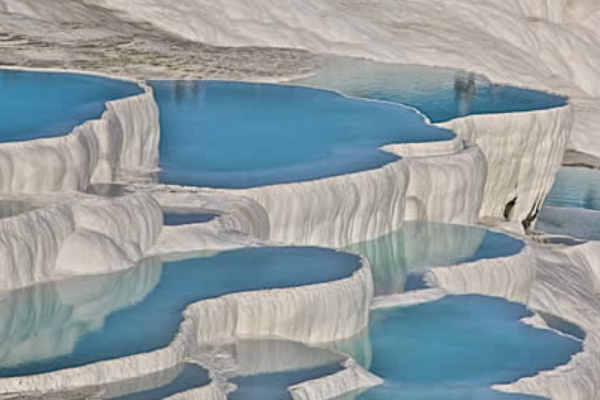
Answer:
[(398, 260), (575, 188), (89, 319), (440, 93), (42, 104), (457, 348), (241, 135), (407, 347), (179, 218)]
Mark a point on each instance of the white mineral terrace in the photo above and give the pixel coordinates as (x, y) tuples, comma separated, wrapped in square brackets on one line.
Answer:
[(496, 159)]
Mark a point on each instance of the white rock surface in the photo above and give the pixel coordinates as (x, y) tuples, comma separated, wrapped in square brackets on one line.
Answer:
[(39, 245), (523, 152), (510, 277)]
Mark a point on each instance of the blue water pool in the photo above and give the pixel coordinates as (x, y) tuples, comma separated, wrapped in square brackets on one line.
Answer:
[(398, 260), (575, 188), (441, 94), (241, 135), (39, 104), (458, 347), (86, 320), (173, 218)]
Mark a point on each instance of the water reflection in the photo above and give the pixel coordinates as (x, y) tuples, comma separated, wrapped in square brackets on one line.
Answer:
[(401, 258), (465, 89), (85, 320), (440, 93), (49, 320), (241, 135)]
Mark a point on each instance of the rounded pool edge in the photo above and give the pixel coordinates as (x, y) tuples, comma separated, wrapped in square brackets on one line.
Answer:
[(241, 307)]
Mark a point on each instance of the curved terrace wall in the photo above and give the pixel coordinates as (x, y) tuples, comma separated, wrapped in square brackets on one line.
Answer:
[(523, 152), (85, 237)]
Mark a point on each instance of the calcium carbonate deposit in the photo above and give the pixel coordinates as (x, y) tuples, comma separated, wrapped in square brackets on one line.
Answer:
[(299, 199)]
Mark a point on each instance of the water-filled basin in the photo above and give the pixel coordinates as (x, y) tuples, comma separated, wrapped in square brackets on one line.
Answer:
[(241, 135), (457, 348), (399, 259), (440, 93), (84, 320), (43, 104)]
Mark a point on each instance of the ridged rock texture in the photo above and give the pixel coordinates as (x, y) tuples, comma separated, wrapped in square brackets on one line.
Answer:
[(84, 237), (523, 152)]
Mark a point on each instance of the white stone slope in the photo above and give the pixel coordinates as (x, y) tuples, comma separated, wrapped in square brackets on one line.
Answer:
[(345, 209), (240, 221), (509, 277), (80, 237), (124, 138), (523, 152), (211, 390), (543, 44)]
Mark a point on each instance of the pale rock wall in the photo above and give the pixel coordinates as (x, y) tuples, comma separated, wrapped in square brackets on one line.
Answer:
[(37, 246), (351, 208), (314, 313), (447, 188), (567, 286), (335, 211), (256, 356), (241, 221), (523, 152)]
